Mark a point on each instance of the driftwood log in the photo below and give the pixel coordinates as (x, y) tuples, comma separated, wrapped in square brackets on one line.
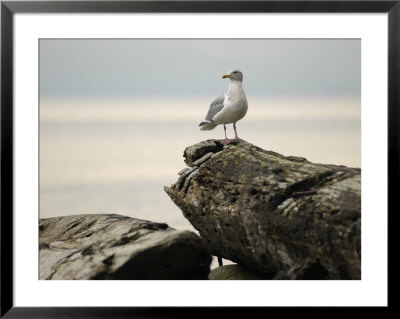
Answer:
[(271, 213), (118, 247)]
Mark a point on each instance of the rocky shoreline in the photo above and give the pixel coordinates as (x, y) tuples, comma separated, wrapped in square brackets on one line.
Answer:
[(116, 247), (277, 217)]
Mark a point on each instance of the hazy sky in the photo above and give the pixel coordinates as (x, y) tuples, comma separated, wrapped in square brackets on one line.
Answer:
[(169, 67)]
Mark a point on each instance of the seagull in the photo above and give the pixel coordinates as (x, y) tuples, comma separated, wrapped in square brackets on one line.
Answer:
[(229, 108)]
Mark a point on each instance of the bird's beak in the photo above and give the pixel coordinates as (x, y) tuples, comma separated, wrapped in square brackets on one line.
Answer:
[(225, 76)]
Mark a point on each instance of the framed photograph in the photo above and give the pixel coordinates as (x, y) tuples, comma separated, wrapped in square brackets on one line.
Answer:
[(285, 112)]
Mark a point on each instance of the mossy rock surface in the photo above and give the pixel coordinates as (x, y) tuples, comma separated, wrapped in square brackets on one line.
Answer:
[(270, 212)]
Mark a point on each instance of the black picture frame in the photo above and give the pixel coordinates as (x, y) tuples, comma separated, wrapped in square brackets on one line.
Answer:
[(9, 8)]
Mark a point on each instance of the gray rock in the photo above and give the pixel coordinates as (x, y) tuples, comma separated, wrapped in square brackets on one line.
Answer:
[(203, 159), (269, 212), (235, 272), (117, 247), (183, 170), (197, 151), (309, 270)]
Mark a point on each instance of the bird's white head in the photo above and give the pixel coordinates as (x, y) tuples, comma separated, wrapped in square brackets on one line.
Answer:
[(234, 75)]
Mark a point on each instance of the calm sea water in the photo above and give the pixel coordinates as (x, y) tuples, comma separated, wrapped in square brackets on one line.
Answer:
[(115, 156)]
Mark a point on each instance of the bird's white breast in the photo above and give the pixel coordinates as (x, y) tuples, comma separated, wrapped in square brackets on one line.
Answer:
[(235, 106)]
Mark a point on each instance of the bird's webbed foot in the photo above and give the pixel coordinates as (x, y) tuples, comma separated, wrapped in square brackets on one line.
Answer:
[(226, 141)]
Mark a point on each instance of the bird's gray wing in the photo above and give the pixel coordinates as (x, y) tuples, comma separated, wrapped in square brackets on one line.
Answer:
[(216, 106)]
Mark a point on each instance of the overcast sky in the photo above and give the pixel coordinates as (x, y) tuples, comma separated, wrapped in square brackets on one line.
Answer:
[(165, 67)]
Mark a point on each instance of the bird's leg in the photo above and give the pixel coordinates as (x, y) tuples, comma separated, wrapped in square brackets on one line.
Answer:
[(236, 136), (226, 140)]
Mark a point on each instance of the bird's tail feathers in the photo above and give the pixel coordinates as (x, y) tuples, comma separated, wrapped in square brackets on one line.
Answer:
[(205, 126)]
